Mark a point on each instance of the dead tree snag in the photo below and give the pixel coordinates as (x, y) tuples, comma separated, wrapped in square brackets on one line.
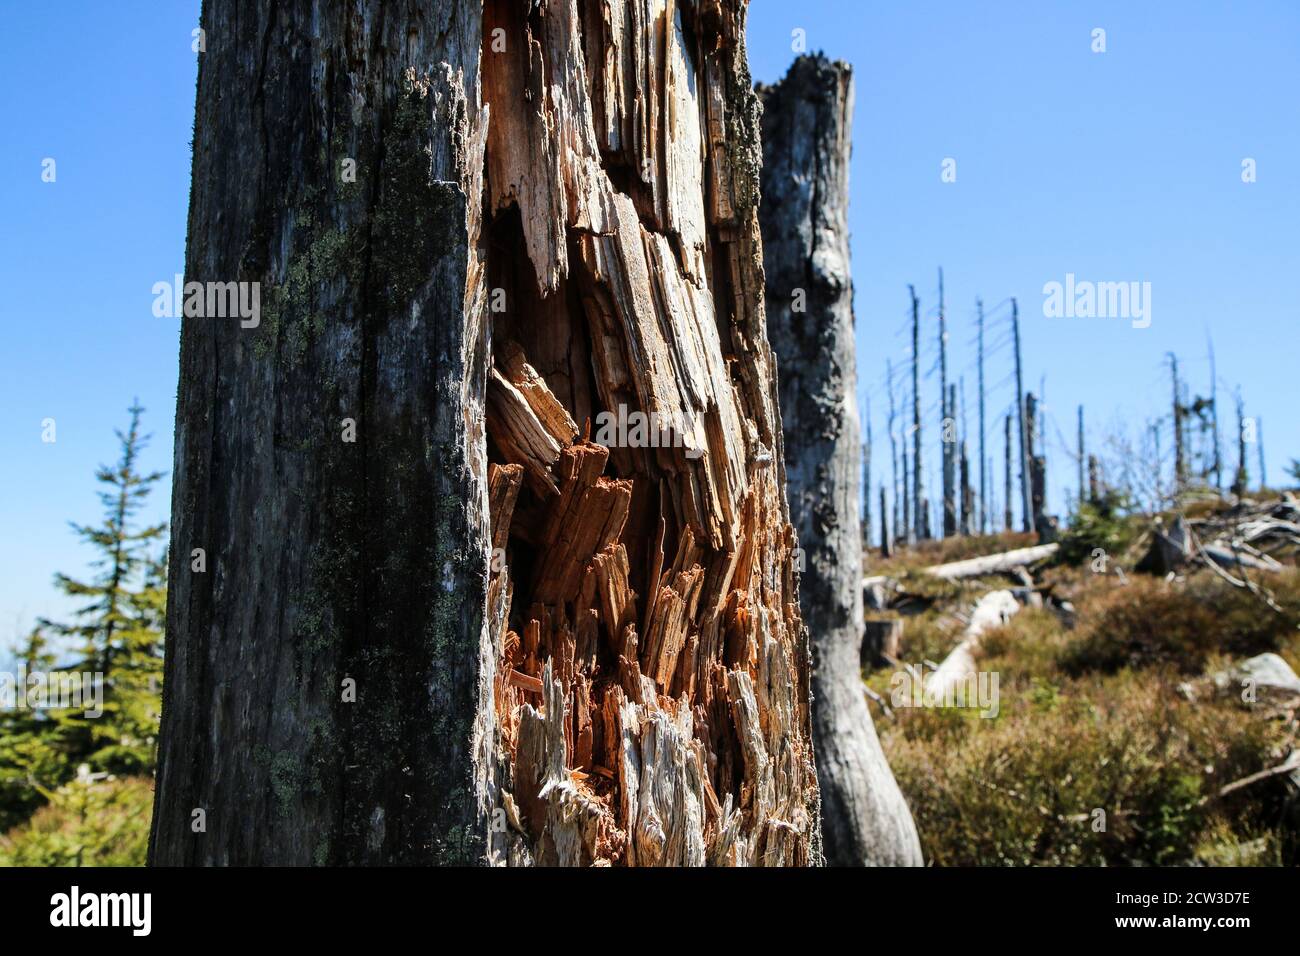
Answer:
[(806, 141), (653, 697)]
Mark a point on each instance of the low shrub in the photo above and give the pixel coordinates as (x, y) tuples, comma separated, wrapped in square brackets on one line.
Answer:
[(1101, 771), (1153, 621), (101, 823), (1102, 524)]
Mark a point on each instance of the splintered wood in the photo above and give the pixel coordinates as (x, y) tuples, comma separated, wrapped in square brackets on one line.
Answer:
[(652, 687)]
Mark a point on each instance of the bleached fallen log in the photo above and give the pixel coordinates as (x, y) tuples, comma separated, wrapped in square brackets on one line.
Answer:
[(1173, 548), (993, 563), (992, 610), (1225, 554)]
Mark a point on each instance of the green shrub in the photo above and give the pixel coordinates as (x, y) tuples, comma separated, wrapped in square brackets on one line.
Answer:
[(1097, 524), (104, 823), (1152, 621)]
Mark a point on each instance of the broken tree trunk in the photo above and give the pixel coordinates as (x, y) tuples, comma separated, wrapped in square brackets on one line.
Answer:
[(472, 634), (806, 141)]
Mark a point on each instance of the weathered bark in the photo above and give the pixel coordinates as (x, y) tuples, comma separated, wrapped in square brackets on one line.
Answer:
[(330, 560), (806, 135), (562, 652)]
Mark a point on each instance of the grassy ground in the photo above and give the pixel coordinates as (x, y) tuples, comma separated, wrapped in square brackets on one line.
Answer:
[(1097, 755)]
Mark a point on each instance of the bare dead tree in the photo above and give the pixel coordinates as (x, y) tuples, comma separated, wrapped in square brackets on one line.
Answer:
[(1027, 507), (806, 141), (921, 525), (946, 429), (1006, 498), (899, 491), (986, 478)]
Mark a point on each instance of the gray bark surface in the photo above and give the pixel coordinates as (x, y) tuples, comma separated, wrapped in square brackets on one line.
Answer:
[(327, 559), (806, 145)]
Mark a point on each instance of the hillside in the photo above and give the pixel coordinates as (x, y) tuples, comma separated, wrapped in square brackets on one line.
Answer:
[(1129, 728)]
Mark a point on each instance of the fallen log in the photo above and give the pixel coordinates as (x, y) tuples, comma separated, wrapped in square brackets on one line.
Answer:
[(1225, 554), (993, 563), (1179, 544), (992, 610)]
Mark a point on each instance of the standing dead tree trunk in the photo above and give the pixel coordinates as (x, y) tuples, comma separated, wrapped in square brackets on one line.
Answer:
[(463, 631), (1241, 477), (909, 528), (1006, 477), (986, 475), (866, 482), (967, 495), (920, 510), (898, 489), (886, 546), (1180, 451), (947, 426), (1027, 507), (1082, 459), (1044, 524), (806, 145)]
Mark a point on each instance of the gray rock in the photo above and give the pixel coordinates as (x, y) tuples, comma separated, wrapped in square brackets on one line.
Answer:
[(1269, 672)]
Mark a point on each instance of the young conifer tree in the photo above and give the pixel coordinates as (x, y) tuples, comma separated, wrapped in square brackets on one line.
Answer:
[(117, 630)]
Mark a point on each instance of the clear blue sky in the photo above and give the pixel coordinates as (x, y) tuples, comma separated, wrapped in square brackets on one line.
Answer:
[(1123, 165), (1116, 166)]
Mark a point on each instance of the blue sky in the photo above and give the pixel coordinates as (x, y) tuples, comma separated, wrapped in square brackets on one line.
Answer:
[(1115, 166), (107, 91), (1121, 166)]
